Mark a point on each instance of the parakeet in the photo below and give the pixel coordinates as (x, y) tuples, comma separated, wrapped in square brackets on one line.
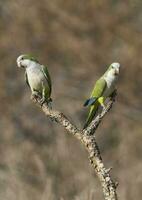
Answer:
[(37, 77), (103, 88)]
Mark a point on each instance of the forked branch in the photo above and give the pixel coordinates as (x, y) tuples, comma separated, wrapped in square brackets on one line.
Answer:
[(87, 137)]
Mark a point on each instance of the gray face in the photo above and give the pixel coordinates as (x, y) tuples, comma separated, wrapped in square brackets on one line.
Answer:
[(20, 61), (25, 61), (113, 71), (115, 68)]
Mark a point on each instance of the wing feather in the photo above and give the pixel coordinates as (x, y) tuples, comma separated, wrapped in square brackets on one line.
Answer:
[(90, 101), (26, 79), (97, 92), (99, 88), (46, 75)]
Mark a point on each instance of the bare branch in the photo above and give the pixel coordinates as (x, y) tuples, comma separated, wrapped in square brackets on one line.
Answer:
[(87, 138)]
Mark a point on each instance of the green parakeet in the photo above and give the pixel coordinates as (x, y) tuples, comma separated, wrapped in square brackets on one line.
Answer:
[(103, 88), (37, 77)]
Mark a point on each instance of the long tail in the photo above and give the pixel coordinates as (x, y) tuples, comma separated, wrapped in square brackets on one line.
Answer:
[(91, 115)]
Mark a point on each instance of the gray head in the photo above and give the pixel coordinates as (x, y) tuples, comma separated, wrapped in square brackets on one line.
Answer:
[(113, 69), (25, 60)]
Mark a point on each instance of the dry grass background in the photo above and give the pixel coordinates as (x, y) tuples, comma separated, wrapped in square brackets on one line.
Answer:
[(77, 40)]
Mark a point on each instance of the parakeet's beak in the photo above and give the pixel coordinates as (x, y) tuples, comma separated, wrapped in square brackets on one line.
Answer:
[(116, 71), (22, 66), (19, 64)]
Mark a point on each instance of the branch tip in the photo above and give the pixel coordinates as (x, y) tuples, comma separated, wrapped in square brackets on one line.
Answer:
[(109, 169)]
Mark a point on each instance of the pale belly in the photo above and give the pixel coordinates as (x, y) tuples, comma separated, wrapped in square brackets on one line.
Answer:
[(110, 87), (36, 79), (111, 83), (108, 91)]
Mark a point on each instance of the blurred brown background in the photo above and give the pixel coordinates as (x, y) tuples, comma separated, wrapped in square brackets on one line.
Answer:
[(77, 40)]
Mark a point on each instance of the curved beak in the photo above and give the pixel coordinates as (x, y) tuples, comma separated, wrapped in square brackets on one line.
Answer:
[(19, 64), (117, 71)]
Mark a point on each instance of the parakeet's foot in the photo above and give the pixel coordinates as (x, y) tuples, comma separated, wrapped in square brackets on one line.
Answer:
[(53, 119), (35, 95), (101, 100), (103, 106), (42, 100), (48, 101), (49, 104)]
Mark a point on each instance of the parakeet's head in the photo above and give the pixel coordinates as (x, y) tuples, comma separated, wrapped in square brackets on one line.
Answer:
[(113, 69), (25, 60)]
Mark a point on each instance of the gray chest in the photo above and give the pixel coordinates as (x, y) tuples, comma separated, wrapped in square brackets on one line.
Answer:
[(35, 77), (110, 86)]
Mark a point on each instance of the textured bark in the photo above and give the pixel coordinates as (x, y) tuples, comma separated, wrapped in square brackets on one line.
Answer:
[(87, 137)]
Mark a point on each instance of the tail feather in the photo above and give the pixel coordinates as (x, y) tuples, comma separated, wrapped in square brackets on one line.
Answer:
[(91, 115), (90, 102)]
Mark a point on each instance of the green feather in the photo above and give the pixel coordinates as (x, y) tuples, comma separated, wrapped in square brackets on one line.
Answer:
[(96, 93), (30, 57), (91, 114), (26, 79), (99, 88), (47, 76)]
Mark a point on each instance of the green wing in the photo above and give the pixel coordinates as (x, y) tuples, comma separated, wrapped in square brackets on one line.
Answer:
[(96, 93), (26, 79), (99, 88), (47, 76)]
